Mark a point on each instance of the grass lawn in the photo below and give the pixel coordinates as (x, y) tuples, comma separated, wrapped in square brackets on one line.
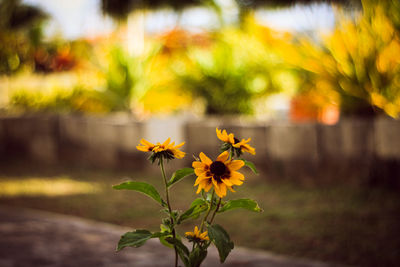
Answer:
[(339, 224)]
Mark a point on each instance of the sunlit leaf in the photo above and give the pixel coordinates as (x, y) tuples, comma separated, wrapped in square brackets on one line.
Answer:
[(136, 238), (179, 175), (198, 206), (243, 203), (141, 187), (250, 165)]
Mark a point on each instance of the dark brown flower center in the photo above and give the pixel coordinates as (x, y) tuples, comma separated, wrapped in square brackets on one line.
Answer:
[(236, 140), (219, 170)]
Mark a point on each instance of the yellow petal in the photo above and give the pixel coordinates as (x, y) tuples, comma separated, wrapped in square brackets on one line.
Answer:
[(215, 183), (207, 187), (143, 148), (217, 188), (223, 156), (249, 149), (201, 178), (227, 182), (178, 154), (199, 189), (236, 176), (181, 144), (166, 142), (198, 164), (204, 184), (199, 171), (204, 236), (205, 159), (235, 165), (146, 143), (231, 138), (189, 233), (222, 188), (220, 135)]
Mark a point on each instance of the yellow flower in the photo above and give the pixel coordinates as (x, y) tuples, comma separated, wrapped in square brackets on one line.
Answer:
[(220, 174), (145, 146), (197, 236), (241, 146), (225, 137), (165, 150)]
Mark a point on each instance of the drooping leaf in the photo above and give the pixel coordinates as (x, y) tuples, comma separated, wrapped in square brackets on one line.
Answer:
[(221, 240), (165, 229), (165, 242), (179, 175), (197, 256), (183, 251), (136, 238), (250, 165), (141, 187), (243, 203), (198, 206)]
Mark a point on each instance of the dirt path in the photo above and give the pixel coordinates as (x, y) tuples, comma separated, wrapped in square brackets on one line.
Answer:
[(37, 238)]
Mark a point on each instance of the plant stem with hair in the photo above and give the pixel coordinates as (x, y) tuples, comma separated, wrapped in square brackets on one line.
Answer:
[(169, 208), (215, 211), (208, 211)]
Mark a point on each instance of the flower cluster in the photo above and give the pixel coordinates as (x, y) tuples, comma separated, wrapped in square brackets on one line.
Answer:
[(217, 176), (232, 143), (222, 174)]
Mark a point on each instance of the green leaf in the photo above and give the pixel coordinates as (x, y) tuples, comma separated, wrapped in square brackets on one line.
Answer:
[(136, 238), (197, 256), (179, 175), (198, 206), (165, 242), (141, 187), (183, 251), (250, 165), (243, 203), (221, 240)]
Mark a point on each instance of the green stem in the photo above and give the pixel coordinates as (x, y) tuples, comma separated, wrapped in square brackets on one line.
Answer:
[(231, 153), (166, 185), (169, 208), (208, 212), (216, 210)]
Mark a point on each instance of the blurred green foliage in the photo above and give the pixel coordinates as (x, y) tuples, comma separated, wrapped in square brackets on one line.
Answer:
[(20, 34), (355, 67), (118, 71), (121, 73), (229, 74), (78, 100)]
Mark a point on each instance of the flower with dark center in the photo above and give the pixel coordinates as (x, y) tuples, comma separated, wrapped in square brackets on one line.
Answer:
[(220, 174), (165, 150), (196, 236), (231, 142), (225, 137)]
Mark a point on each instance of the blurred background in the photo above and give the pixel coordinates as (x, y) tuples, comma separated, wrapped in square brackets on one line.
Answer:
[(315, 84)]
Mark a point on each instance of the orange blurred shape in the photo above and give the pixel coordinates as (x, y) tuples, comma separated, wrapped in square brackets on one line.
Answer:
[(329, 115), (303, 109), (179, 39)]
